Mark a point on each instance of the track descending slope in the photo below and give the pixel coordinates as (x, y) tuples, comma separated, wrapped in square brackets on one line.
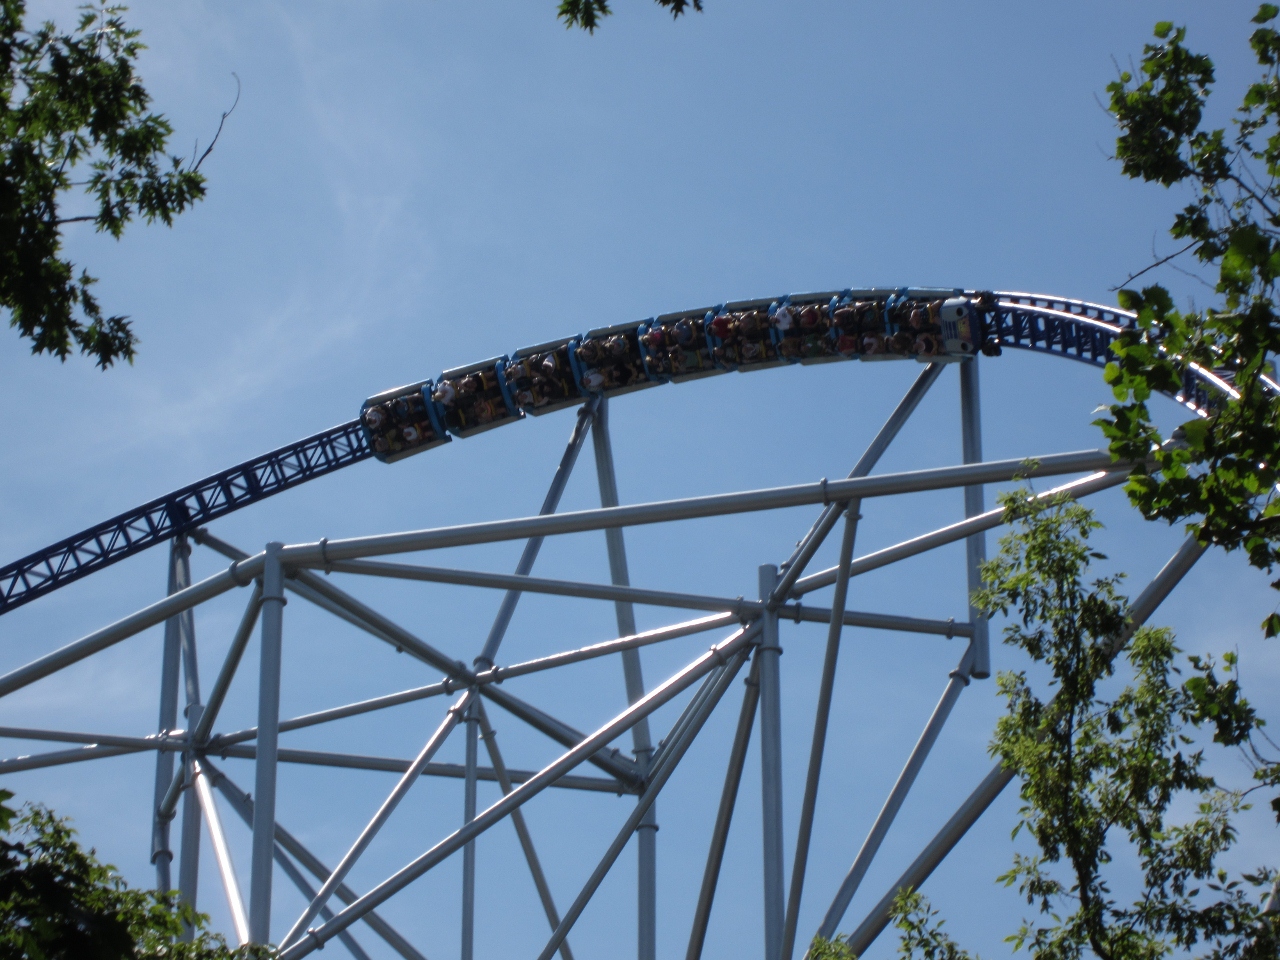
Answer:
[(1075, 329)]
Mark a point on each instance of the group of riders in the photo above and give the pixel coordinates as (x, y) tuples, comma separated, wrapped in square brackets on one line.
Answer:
[(679, 346)]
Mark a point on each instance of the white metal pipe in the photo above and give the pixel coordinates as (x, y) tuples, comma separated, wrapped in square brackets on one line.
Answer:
[(239, 575), (161, 854), (958, 680), (174, 742), (287, 842), (468, 814), (57, 758), (822, 715), (633, 679), (661, 774), (950, 534), (834, 491), (582, 751), (398, 793), (264, 816), (522, 830), (771, 771), (975, 544), (663, 598), (222, 853), (189, 853), (809, 545), (290, 870), (530, 554), (724, 814), (454, 771), (229, 666)]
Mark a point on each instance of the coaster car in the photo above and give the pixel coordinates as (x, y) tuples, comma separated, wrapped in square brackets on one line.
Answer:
[(540, 379), (401, 422), (741, 336), (675, 347), (474, 399), (609, 361)]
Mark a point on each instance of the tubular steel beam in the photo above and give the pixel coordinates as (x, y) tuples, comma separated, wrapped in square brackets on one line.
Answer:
[(286, 842), (661, 774), (57, 758), (375, 624), (468, 814), (999, 777), (451, 719), (229, 666), (975, 544), (454, 771), (836, 491), (522, 831), (526, 791), (809, 545), (290, 870), (724, 815), (958, 680), (822, 715), (238, 575), (956, 531), (775, 891), (630, 595), (530, 555), (222, 853), (633, 678), (264, 808), (161, 854), (189, 862)]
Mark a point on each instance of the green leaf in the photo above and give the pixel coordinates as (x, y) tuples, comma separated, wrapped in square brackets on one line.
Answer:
[(1163, 29), (1271, 625), (1266, 11)]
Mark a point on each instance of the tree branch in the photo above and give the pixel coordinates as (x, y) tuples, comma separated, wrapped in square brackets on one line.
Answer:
[(1159, 263)]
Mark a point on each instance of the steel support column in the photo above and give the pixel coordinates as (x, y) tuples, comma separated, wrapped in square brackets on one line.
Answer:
[(775, 891), (264, 807), (975, 545), (724, 815), (646, 833), (161, 854), (822, 715), (472, 721), (189, 861)]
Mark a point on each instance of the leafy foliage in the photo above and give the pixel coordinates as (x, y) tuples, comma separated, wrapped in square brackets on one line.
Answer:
[(922, 933), (57, 902), (1096, 767), (1222, 470), (587, 14), (72, 105)]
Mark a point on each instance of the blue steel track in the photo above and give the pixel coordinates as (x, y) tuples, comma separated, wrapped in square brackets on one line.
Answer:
[(1074, 329)]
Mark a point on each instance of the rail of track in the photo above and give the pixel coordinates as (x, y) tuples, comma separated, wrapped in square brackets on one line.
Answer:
[(1074, 329)]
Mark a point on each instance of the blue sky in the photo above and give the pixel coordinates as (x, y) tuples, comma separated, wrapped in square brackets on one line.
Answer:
[(407, 187)]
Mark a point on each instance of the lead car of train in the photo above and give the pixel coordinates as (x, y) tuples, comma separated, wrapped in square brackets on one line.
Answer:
[(925, 324)]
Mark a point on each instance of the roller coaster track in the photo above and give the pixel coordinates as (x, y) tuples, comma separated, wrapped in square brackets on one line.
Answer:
[(1075, 329)]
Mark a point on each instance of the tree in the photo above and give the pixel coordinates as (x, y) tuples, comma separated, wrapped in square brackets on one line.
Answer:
[(75, 115), (588, 13), (1221, 472), (57, 902), (1102, 764)]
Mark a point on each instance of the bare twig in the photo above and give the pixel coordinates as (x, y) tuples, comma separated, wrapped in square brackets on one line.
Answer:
[(1159, 263), (226, 113)]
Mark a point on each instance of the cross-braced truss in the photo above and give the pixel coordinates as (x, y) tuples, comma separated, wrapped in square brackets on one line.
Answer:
[(744, 642)]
